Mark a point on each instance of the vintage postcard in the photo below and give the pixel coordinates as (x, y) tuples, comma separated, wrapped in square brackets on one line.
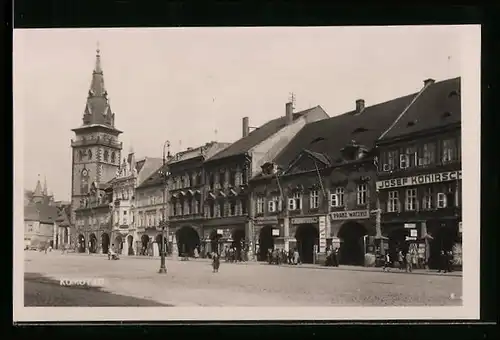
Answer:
[(265, 173)]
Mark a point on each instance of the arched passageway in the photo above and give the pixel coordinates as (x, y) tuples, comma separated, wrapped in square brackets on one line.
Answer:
[(397, 243), (443, 239), (266, 242), (105, 243), (238, 243), (352, 250), (144, 244), (92, 243), (118, 245), (161, 244), (214, 241), (307, 236), (81, 243), (187, 241), (130, 243)]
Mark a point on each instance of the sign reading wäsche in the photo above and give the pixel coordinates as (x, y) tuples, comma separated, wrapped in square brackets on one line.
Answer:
[(420, 179)]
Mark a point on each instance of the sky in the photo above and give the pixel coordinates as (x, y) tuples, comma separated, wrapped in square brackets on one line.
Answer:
[(194, 85)]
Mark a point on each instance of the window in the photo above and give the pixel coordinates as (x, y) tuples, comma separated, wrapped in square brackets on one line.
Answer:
[(295, 202), (428, 150), (243, 206), (337, 199), (403, 161), (393, 202), (412, 157), (411, 199), (181, 208), (222, 213), (441, 200), (232, 178), (89, 154), (391, 159), (106, 155), (448, 150), (274, 204), (362, 194), (427, 199), (232, 208), (314, 199), (113, 157), (244, 176), (196, 206), (189, 205), (260, 205), (211, 209), (211, 181)]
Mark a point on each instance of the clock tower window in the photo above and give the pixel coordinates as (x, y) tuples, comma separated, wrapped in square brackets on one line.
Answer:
[(106, 155), (113, 157), (89, 153)]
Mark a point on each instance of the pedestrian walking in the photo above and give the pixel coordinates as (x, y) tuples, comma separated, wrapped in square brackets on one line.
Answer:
[(296, 257), (400, 260), (215, 262), (387, 262), (449, 261), (408, 262)]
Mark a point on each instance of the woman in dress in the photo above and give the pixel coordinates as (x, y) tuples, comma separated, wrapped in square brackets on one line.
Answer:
[(215, 262)]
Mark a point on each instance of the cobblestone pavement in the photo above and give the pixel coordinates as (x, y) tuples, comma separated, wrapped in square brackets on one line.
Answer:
[(192, 283)]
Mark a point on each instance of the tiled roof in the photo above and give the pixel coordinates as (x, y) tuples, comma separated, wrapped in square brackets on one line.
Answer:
[(439, 105), (329, 136), (148, 167), (41, 212), (257, 136), (63, 218)]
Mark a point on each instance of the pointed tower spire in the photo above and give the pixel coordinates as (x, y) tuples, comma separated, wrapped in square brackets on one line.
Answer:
[(38, 194), (97, 109), (45, 192)]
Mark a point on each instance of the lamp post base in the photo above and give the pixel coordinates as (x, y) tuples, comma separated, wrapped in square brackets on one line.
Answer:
[(162, 270)]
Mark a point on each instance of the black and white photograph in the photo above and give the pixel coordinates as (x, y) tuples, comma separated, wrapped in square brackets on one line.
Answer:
[(246, 173)]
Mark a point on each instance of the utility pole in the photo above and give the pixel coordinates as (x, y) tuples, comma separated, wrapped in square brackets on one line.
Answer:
[(164, 224)]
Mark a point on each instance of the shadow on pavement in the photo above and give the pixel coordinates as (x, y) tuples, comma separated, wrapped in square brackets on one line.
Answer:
[(42, 291)]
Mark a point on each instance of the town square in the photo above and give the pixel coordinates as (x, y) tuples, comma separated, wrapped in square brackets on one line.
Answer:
[(222, 173)]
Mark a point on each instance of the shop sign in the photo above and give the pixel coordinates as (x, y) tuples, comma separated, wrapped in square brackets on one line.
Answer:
[(408, 238), (413, 233), (266, 220), (410, 225), (220, 232), (305, 220), (276, 232), (420, 179), (322, 233), (349, 215)]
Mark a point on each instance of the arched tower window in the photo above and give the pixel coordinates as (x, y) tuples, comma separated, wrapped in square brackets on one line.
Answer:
[(113, 157), (89, 153), (106, 155)]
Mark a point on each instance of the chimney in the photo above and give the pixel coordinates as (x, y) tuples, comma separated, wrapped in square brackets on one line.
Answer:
[(360, 105), (246, 128), (289, 112), (428, 82)]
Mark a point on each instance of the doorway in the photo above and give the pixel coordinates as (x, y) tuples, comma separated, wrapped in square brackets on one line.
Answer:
[(352, 250), (307, 236)]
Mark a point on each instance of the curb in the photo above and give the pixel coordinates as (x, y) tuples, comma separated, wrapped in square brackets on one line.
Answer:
[(310, 266)]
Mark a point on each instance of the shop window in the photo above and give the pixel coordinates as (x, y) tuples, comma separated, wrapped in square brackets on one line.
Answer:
[(314, 199), (393, 201), (337, 199), (362, 194), (411, 199)]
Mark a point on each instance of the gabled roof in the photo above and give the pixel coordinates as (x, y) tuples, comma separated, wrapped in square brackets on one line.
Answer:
[(439, 105), (258, 135), (328, 136), (147, 168), (63, 218), (40, 212)]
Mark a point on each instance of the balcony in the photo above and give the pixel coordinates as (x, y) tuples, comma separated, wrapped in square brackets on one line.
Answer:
[(94, 141)]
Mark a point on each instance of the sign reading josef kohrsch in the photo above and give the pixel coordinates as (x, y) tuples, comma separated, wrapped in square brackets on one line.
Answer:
[(420, 179), (349, 215)]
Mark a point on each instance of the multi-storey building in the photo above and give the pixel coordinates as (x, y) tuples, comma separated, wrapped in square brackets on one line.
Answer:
[(226, 203), (320, 190), (96, 154), (420, 175), (186, 196), (130, 174)]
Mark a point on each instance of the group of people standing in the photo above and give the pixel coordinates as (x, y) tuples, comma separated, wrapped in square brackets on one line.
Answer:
[(281, 256), (410, 260), (234, 254)]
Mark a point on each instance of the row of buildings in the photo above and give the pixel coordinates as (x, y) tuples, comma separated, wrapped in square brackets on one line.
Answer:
[(377, 179)]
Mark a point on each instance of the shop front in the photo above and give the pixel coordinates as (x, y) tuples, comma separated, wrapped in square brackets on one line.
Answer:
[(221, 234), (308, 234), (350, 230), (268, 233)]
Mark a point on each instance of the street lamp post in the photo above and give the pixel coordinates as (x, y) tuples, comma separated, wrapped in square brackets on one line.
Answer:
[(164, 176)]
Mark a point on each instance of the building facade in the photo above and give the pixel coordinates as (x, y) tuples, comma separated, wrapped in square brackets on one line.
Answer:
[(96, 154), (419, 178), (227, 200), (186, 197), (130, 175)]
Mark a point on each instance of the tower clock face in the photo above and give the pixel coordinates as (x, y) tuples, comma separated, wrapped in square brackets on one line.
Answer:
[(85, 172)]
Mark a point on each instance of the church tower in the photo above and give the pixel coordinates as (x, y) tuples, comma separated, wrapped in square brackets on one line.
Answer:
[(96, 150)]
